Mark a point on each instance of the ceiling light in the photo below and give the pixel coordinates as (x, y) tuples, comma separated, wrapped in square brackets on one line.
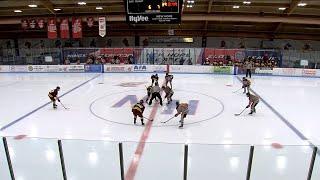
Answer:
[(236, 7), (17, 11), (82, 3), (189, 6), (33, 5), (246, 2), (57, 9), (99, 8), (282, 8), (302, 4), (190, 1)]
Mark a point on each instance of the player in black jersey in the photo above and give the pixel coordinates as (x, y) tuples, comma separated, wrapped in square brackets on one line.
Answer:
[(53, 95)]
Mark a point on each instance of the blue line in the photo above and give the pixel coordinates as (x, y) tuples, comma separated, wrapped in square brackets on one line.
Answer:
[(284, 120), (303, 137), (28, 114)]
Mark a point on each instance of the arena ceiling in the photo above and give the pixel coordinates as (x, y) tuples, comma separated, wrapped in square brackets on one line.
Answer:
[(260, 18)]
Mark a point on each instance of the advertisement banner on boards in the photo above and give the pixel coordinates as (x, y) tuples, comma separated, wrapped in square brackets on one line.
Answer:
[(223, 69), (4, 68), (50, 68), (263, 71), (118, 68), (18, 68), (93, 68)]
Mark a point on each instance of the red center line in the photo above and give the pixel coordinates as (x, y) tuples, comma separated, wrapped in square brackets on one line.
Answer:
[(138, 153)]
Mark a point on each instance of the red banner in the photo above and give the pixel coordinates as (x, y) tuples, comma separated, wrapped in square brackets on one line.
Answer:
[(52, 28), (32, 24), (24, 24), (76, 28), (64, 28), (90, 21), (40, 23)]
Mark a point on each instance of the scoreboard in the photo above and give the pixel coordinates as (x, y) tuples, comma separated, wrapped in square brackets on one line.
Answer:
[(153, 11)]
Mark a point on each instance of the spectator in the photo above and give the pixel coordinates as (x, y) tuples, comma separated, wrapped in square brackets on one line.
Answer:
[(206, 62), (93, 43), (89, 60), (27, 45), (223, 44), (116, 60), (42, 44), (109, 43), (97, 61), (287, 46), (78, 61), (241, 44), (103, 60), (145, 42), (248, 64), (125, 42), (58, 43), (130, 59), (307, 47), (66, 61)]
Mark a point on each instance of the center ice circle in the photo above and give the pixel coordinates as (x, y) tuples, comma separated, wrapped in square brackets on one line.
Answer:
[(116, 107)]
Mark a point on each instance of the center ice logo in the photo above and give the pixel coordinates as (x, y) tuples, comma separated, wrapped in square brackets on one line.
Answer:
[(116, 107), (193, 104)]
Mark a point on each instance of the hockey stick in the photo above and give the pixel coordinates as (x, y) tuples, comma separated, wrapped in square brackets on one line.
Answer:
[(167, 120), (147, 118), (63, 105), (236, 90), (241, 112)]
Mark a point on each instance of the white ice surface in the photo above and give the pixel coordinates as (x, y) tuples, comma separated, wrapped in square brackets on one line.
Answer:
[(92, 117), (22, 93)]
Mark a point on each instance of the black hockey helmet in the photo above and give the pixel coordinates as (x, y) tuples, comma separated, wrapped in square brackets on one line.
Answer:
[(58, 87), (141, 101), (177, 103), (248, 94)]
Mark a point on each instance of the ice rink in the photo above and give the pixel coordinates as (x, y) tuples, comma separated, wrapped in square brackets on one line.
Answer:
[(100, 108)]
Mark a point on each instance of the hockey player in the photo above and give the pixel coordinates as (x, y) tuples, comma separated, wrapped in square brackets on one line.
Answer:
[(253, 101), (149, 88), (246, 85), (183, 110), (137, 110), (155, 93), (154, 78), (168, 79), (169, 93), (53, 95)]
